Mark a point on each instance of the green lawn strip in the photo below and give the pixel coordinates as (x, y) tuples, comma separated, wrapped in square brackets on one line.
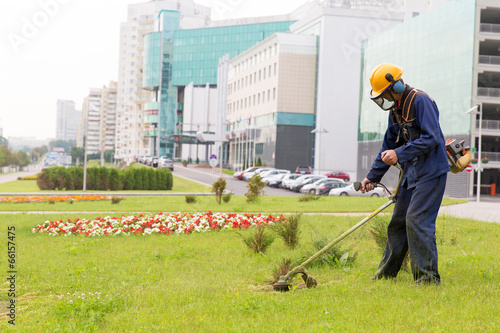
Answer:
[(206, 203), (211, 282), (180, 185), (97, 163)]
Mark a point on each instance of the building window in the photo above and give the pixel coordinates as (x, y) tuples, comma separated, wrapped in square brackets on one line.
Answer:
[(274, 93), (259, 148), (269, 95), (258, 98), (264, 74), (260, 75), (250, 78), (275, 69)]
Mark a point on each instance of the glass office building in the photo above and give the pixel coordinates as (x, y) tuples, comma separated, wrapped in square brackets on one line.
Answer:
[(197, 51), (436, 52), (176, 58)]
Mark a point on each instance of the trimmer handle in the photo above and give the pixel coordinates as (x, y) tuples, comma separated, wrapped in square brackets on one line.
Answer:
[(393, 196)]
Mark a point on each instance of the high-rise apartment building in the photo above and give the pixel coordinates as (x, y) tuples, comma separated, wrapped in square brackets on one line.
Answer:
[(131, 96), (90, 127), (67, 120), (108, 117)]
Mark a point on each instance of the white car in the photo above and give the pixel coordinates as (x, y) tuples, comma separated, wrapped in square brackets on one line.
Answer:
[(301, 181), (313, 188), (350, 191), (288, 179), (270, 173), (249, 175)]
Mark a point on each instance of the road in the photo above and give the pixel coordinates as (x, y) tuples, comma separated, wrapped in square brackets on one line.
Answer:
[(238, 187)]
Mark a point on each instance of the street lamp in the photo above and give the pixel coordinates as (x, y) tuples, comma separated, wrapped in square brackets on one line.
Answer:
[(476, 110), (319, 131)]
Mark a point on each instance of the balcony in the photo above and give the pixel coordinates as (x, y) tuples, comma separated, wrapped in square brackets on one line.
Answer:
[(492, 125), (489, 28), (489, 60), (493, 157), (488, 92)]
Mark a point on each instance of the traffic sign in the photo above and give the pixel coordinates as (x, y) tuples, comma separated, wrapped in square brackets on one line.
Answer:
[(468, 168), (213, 160)]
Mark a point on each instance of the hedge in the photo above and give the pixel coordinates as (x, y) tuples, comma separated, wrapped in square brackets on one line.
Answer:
[(101, 178)]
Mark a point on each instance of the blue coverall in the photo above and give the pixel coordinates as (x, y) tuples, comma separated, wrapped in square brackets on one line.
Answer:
[(413, 223)]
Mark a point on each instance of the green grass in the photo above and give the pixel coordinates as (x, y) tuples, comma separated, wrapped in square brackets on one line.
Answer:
[(212, 282), (97, 163), (181, 185), (206, 203)]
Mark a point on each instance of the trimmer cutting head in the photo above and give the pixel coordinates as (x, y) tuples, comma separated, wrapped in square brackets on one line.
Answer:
[(282, 285)]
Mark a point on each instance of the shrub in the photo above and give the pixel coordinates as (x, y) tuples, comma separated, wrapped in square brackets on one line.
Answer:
[(218, 188), (255, 188), (68, 180), (32, 177), (288, 230), (152, 181), (170, 179), (44, 180), (227, 197), (190, 199), (114, 180), (161, 180), (128, 179), (334, 256), (258, 240), (116, 200), (77, 176), (138, 176), (103, 178)]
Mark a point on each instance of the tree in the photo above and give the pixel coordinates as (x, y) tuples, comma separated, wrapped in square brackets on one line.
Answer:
[(109, 155), (62, 144), (77, 153), (23, 158)]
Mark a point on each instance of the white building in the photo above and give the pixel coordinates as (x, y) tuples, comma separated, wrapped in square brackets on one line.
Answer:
[(130, 95), (67, 120), (270, 102)]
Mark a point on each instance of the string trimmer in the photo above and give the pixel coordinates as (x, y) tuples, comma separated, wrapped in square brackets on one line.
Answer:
[(283, 283)]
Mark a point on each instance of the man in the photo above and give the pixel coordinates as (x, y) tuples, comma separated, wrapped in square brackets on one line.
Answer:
[(415, 140)]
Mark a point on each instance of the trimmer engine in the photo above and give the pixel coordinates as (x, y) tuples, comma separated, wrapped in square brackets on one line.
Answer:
[(458, 156)]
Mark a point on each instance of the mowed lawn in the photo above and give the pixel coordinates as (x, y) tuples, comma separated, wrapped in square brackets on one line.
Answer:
[(211, 282)]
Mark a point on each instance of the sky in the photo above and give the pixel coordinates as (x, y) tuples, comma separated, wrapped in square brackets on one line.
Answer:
[(59, 49)]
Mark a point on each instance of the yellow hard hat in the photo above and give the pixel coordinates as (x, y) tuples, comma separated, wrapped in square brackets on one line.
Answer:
[(380, 80)]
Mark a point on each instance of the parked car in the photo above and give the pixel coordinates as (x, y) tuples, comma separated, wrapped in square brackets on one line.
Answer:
[(141, 159), (304, 170), (276, 180), (340, 175), (301, 181), (148, 160), (164, 163), (313, 188), (288, 179), (240, 174), (154, 162), (249, 175), (325, 188), (270, 173), (350, 191)]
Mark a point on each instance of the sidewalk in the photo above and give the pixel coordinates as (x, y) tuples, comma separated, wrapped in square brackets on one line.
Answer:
[(483, 211)]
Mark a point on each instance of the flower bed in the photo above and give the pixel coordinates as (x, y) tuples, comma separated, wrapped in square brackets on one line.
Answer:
[(56, 198), (154, 224)]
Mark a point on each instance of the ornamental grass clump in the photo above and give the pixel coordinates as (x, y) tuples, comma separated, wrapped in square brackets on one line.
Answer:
[(258, 239), (334, 256), (288, 230), (308, 197), (116, 200), (283, 268), (190, 198)]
